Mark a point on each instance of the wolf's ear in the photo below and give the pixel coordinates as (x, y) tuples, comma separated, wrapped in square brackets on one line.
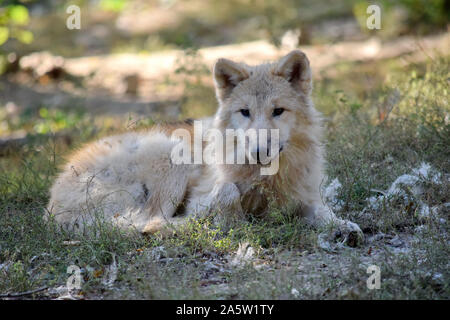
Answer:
[(294, 67), (227, 75)]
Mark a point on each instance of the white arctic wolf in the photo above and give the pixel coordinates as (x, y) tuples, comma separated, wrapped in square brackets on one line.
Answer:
[(131, 180)]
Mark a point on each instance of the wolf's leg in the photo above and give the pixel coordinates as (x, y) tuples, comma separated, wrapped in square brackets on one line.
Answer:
[(164, 225), (320, 215), (223, 201), (220, 198), (163, 205)]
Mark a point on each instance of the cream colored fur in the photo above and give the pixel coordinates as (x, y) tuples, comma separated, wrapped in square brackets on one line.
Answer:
[(130, 179)]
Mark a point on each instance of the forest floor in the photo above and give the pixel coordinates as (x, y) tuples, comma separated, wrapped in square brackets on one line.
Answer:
[(387, 141)]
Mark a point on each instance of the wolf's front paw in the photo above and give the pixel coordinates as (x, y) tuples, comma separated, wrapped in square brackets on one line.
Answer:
[(227, 203), (349, 233), (227, 198)]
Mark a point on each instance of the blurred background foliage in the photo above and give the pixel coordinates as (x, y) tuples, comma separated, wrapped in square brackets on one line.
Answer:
[(13, 21), (143, 26)]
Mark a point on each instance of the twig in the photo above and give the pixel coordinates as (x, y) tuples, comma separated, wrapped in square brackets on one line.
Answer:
[(378, 191), (71, 243), (20, 294)]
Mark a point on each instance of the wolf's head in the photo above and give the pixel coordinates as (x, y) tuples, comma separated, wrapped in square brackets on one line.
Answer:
[(267, 96)]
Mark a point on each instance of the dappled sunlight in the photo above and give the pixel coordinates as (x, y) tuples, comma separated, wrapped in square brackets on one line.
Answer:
[(382, 94)]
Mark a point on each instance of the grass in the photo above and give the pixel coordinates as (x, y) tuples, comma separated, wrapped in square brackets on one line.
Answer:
[(371, 140)]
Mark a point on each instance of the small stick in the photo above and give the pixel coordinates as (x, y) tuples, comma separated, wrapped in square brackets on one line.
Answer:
[(71, 243), (20, 294), (379, 191)]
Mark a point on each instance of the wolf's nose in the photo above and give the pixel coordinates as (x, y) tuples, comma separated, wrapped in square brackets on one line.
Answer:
[(261, 155)]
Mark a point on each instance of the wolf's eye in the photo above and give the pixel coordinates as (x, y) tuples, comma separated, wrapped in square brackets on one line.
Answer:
[(277, 111), (245, 112)]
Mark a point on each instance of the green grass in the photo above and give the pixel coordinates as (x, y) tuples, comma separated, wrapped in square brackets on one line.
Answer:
[(370, 142)]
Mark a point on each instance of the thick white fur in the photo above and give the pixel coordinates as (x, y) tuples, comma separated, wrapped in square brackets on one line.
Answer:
[(130, 180)]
